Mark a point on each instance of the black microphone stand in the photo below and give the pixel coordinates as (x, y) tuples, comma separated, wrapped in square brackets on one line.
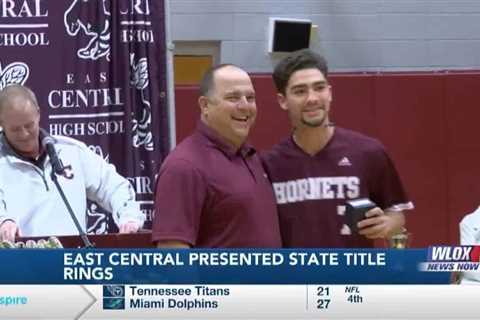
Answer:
[(86, 243)]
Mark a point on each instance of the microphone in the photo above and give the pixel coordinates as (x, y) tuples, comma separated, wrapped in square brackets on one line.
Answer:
[(57, 165), (57, 168)]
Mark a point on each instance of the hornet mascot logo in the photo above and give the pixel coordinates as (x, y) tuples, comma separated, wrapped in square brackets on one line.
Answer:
[(87, 17), (14, 73)]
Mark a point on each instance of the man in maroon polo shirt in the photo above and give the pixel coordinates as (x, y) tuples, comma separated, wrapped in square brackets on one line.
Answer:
[(212, 190), (320, 167)]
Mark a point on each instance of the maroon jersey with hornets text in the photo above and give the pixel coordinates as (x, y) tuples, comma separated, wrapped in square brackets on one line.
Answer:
[(311, 190)]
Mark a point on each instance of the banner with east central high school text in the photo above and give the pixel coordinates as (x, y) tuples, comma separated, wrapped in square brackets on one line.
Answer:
[(98, 68)]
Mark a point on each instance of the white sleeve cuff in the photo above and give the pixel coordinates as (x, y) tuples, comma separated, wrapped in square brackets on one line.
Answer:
[(130, 212)]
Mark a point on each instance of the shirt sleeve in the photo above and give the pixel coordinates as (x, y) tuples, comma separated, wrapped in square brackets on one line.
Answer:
[(108, 188), (179, 198), (388, 190)]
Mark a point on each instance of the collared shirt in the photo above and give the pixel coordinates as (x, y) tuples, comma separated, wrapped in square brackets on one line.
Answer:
[(9, 149), (210, 195)]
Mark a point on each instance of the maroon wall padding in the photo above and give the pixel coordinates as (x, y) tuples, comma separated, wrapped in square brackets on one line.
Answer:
[(272, 122), (410, 118), (353, 102), (427, 122), (187, 110)]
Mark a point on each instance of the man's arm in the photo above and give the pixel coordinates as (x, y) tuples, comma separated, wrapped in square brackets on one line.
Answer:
[(180, 196), (8, 226), (381, 224), (112, 191), (386, 191)]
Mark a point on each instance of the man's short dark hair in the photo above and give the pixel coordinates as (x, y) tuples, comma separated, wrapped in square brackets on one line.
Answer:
[(206, 84), (298, 60)]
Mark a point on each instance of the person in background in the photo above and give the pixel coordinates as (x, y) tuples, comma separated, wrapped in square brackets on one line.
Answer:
[(320, 166), (211, 189), (470, 236), (30, 204)]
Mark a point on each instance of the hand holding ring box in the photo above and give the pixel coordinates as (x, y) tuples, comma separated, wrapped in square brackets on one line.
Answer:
[(355, 211)]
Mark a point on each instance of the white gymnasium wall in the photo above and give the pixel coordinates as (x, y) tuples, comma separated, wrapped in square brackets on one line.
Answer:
[(355, 35)]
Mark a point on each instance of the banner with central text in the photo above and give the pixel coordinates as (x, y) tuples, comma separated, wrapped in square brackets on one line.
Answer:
[(98, 68)]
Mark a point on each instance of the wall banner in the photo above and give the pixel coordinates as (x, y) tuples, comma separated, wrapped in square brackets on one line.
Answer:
[(98, 68)]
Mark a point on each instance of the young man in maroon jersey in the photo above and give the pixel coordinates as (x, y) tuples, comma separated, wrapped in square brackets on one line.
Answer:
[(320, 167)]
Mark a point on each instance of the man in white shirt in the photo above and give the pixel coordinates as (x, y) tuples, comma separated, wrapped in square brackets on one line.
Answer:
[(470, 235), (30, 204)]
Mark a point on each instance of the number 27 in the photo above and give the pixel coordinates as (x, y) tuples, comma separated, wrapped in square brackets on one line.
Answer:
[(323, 303)]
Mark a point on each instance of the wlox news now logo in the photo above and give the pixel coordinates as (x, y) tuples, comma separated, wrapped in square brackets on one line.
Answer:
[(113, 297), (452, 258)]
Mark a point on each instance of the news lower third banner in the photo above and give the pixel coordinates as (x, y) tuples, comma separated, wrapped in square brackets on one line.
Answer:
[(238, 284), (256, 266)]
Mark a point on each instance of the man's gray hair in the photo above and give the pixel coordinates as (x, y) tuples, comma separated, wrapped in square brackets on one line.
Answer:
[(14, 91)]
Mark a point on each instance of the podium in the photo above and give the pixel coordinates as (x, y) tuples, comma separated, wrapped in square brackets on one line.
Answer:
[(110, 240)]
